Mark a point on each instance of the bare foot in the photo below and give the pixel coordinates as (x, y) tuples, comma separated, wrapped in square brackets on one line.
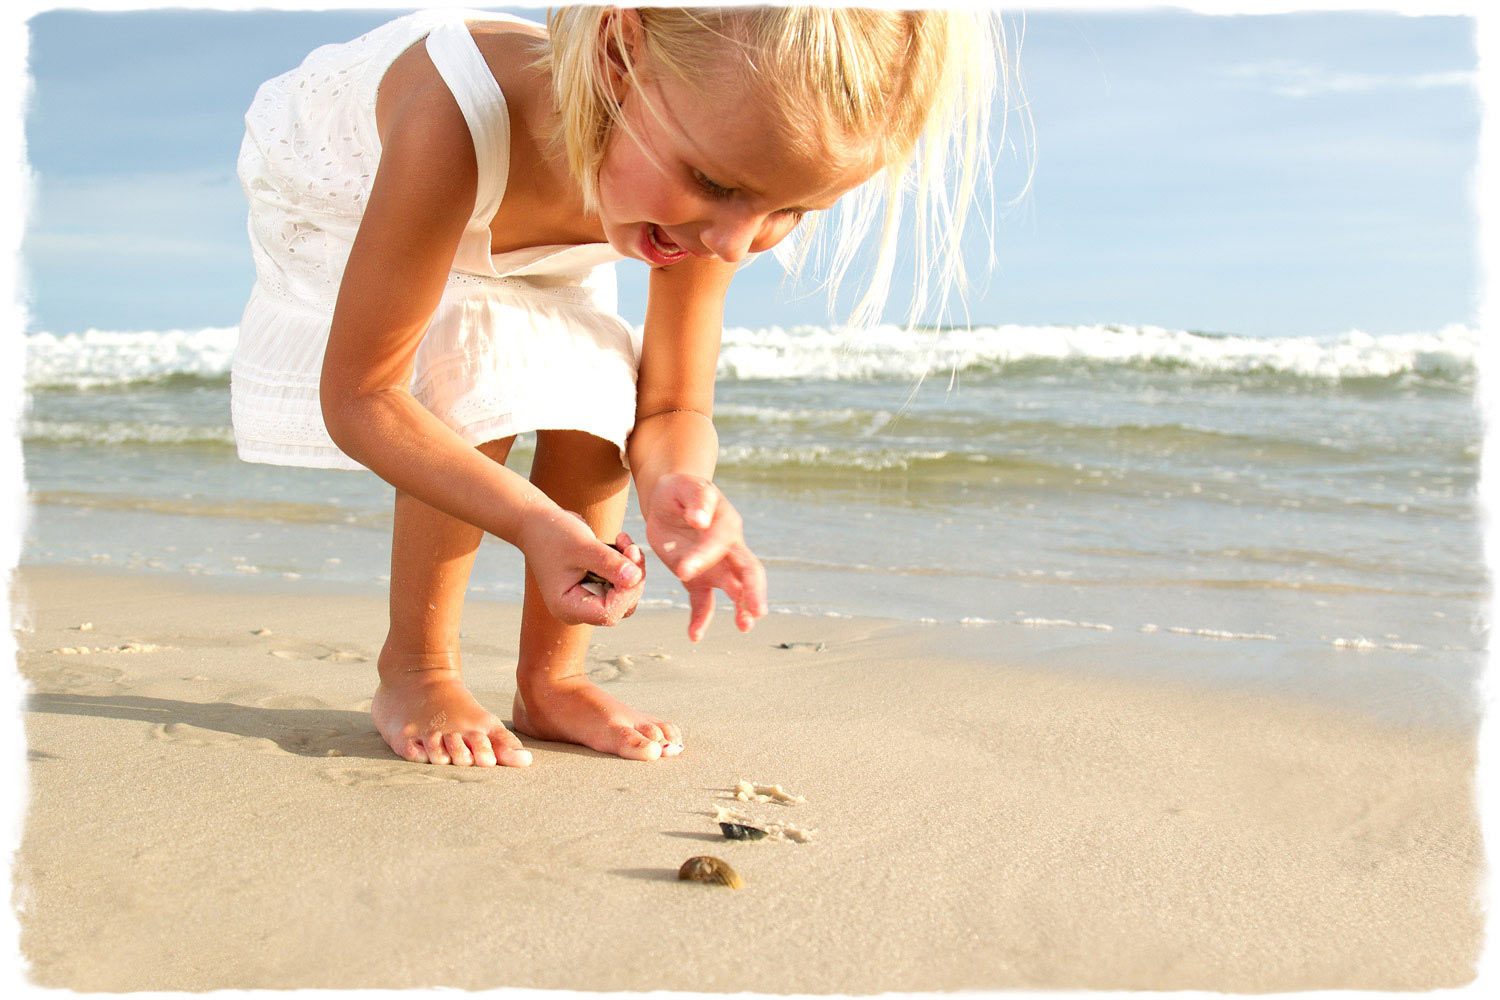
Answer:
[(427, 715), (573, 710)]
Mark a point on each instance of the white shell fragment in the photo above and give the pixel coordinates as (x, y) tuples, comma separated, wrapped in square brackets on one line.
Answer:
[(747, 791), (128, 647)]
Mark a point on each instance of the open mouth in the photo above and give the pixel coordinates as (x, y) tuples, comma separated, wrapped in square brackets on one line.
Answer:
[(660, 250)]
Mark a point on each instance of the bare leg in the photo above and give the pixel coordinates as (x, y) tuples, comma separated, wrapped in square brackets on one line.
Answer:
[(422, 708), (555, 700)]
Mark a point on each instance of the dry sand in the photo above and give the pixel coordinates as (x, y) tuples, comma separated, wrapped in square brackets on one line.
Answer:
[(212, 808)]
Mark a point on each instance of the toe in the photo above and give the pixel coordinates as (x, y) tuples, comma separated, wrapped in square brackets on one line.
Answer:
[(671, 738), (634, 746), (410, 749), (480, 750), (457, 750), (651, 731), (433, 744), (508, 749)]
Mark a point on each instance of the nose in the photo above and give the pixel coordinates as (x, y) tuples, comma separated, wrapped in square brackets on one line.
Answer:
[(731, 231)]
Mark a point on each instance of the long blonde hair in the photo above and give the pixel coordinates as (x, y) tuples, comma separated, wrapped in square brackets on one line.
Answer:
[(919, 83)]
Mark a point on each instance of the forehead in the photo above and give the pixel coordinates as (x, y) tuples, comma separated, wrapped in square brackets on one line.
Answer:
[(736, 131)]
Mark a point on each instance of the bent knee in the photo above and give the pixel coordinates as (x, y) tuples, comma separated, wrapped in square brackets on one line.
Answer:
[(583, 457), (498, 449)]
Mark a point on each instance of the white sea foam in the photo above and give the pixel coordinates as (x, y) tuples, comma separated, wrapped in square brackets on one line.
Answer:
[(103, 357), (1064, 623), (106, 357), (1216, 633), (123, 432), (818, 352)]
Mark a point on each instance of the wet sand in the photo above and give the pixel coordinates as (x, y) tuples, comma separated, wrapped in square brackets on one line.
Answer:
[(211, 808)]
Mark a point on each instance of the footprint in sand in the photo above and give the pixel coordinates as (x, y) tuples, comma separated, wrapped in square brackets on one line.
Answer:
[(403, 773), (604, 671), (286, 740), (76, 678), (324, 653), (236, 722), (195, 736)]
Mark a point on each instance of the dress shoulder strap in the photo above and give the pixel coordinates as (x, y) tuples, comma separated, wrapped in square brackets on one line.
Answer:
[(458, 60)]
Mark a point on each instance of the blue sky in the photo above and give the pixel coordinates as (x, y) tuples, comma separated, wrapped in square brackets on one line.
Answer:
[(1274, 175)]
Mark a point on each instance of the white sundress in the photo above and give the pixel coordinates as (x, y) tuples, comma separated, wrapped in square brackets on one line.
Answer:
[(521, 341)]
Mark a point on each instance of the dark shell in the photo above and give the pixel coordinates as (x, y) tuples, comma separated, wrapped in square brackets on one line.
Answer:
[(739, 831)]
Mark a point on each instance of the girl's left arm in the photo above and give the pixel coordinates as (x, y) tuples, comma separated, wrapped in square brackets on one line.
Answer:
[(674, 448)]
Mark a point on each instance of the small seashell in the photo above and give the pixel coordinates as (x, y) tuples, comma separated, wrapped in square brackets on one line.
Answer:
[(595, 584), (740, 831), (711, 870)]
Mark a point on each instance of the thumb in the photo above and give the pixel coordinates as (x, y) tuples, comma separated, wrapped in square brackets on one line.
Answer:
[(699, 501)]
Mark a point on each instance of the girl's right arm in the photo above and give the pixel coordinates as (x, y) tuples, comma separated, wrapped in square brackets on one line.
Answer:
[(420, 202)]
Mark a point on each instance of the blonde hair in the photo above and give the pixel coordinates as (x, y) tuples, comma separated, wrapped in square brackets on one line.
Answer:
[(917, 83)]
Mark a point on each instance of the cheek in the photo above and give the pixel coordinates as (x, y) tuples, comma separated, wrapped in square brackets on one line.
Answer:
[(634, 188), (772, 233)]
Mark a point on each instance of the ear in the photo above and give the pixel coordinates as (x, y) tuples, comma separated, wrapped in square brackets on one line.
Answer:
[(620, 28)]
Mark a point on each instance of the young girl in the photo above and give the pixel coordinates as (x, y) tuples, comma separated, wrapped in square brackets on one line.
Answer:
[(434, 212)]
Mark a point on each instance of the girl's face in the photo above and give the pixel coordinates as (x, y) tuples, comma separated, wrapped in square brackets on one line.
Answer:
[(707, 176)]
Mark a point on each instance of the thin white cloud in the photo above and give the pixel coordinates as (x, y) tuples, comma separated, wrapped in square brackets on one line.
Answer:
[(170, 214), (1288, 79)]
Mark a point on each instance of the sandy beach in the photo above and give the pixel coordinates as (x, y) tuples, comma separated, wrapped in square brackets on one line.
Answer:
[(211, 808)]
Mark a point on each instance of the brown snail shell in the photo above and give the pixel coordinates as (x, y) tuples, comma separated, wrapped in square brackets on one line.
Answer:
[(711, 870)]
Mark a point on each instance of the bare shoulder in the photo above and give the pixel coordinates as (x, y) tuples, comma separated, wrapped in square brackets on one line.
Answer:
[(412, 81), (511, 51)]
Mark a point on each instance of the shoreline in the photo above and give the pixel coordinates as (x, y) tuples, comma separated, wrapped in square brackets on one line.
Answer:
[(1010, 820), (1372, 679)]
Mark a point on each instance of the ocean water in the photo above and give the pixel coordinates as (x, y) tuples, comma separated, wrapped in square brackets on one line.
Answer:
[(1307, 504)]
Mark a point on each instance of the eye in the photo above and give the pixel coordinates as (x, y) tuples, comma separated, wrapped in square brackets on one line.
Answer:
[(710, 188)]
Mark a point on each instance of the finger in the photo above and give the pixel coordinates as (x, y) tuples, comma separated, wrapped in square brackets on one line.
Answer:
[(618, 604), (752, 576), (615, 567), (706, 553), (623, 571), (630, 549), (701, 604), (579, 607)]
